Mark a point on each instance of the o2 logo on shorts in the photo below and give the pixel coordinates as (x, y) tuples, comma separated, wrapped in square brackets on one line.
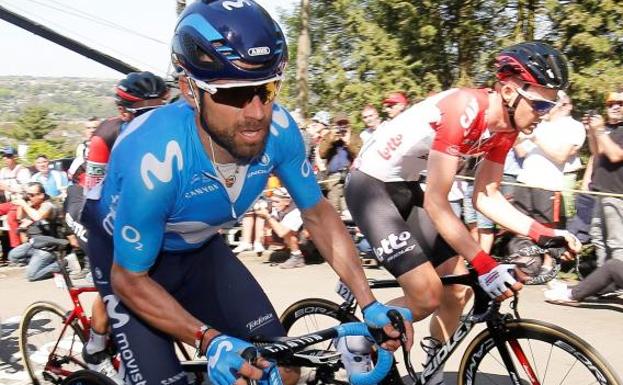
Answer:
[(230, 5), (392, 245), (162, 170)]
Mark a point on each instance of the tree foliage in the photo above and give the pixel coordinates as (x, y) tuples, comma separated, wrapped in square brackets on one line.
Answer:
[(34, 123), (362, 49)]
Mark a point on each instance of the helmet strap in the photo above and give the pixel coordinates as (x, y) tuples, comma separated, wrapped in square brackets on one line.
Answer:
[(511, 108)]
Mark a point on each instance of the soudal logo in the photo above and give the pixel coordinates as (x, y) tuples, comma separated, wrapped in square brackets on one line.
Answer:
[(259, 51), (391, 146)]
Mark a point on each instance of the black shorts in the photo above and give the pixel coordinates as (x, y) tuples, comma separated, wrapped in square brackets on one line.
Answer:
[(391, 216), (209, 282)]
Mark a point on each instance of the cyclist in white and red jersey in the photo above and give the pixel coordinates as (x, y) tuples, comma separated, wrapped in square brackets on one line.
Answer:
[(384, 190), (136, 94)]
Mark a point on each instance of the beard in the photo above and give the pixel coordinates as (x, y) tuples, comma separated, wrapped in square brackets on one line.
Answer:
[(227, 139)]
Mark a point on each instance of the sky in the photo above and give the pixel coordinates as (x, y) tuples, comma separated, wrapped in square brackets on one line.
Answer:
[(144, 43)]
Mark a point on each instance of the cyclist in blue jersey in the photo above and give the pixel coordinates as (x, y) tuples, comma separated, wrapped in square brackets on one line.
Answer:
[(177, 175)]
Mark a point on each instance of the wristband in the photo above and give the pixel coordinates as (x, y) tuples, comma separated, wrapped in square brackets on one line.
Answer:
[(199, 334), (483, 263), (537, 231)]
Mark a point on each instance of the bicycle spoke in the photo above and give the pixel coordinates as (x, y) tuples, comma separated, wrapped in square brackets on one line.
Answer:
[(568, 372), (536, 366)]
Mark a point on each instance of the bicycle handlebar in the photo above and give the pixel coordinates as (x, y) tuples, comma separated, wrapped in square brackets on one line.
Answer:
[(275, 350), (384, 360)]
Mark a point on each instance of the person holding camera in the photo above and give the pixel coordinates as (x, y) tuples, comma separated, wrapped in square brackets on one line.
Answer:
[(606, 143), (37, 217), (338, 148)]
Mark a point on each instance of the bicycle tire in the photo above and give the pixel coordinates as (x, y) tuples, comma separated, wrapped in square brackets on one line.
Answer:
[(576, 361), (48, 318), (312, 308), (87, 377)]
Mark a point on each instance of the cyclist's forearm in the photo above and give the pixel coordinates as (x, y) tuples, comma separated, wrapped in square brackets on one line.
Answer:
[(450, 227), (335, 245), (495, 207), (155, 305)]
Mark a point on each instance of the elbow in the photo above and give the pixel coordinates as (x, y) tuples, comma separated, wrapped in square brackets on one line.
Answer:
[(431, 206), (121, 283)]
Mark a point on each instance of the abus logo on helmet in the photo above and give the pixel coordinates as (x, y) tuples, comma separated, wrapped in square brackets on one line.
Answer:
[(259, 51)]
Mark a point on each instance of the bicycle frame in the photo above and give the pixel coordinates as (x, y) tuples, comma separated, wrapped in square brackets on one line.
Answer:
[(77, 313), (484, 310)]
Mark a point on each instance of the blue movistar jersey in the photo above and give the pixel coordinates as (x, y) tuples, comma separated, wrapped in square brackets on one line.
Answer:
[(161, 191)]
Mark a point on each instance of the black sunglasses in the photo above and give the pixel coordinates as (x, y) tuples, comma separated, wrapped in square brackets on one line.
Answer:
[(239, 97)]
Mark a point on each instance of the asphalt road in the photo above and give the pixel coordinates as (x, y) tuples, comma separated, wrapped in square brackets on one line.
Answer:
[(600, 325)]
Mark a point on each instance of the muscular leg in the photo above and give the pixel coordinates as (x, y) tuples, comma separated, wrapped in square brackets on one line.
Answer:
[(422, 289), (99, 319), (454, 297)]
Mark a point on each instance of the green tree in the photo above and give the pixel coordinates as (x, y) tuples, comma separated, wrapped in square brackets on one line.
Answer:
[(33, 123), (590, 33), (42, 147)]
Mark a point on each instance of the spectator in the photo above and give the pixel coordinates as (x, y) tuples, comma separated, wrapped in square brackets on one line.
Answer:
[(606, 279), (87, 133), (252, 230), (371, 119), (481, 228), (395, 103), (545, 152), (286, 223), (12, 178), (54, 182), (606, 143), (38, 217), (512, 167), (318, 127), (339, 147)]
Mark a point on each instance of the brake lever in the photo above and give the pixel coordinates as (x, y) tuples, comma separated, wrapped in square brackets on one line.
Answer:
[(398, 323)]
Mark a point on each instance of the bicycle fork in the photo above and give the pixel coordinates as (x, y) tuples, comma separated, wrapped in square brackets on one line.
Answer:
[(498, 334)]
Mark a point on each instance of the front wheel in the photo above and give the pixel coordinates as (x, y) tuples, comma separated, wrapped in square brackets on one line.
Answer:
[(541, 353), (87, 377), (51, 349)]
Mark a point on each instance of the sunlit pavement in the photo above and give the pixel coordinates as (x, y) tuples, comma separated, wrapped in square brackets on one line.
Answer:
[(602, 327)]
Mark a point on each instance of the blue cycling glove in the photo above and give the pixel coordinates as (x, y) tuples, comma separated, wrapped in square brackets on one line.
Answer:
[(375, 314), (224, 359)]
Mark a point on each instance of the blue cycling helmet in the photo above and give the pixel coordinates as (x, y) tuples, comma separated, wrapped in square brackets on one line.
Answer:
[(214, 37)]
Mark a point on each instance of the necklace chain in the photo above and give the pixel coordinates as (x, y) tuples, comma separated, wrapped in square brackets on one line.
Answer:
[(229, 180)]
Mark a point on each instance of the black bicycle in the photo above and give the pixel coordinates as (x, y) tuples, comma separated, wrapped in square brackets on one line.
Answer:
[(291, 351), (511, 350)]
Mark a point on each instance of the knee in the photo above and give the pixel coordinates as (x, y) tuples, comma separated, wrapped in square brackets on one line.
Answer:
[(426, 300)]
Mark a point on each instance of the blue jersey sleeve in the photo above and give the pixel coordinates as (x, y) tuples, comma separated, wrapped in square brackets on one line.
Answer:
[(147, 189), (294, 169)]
